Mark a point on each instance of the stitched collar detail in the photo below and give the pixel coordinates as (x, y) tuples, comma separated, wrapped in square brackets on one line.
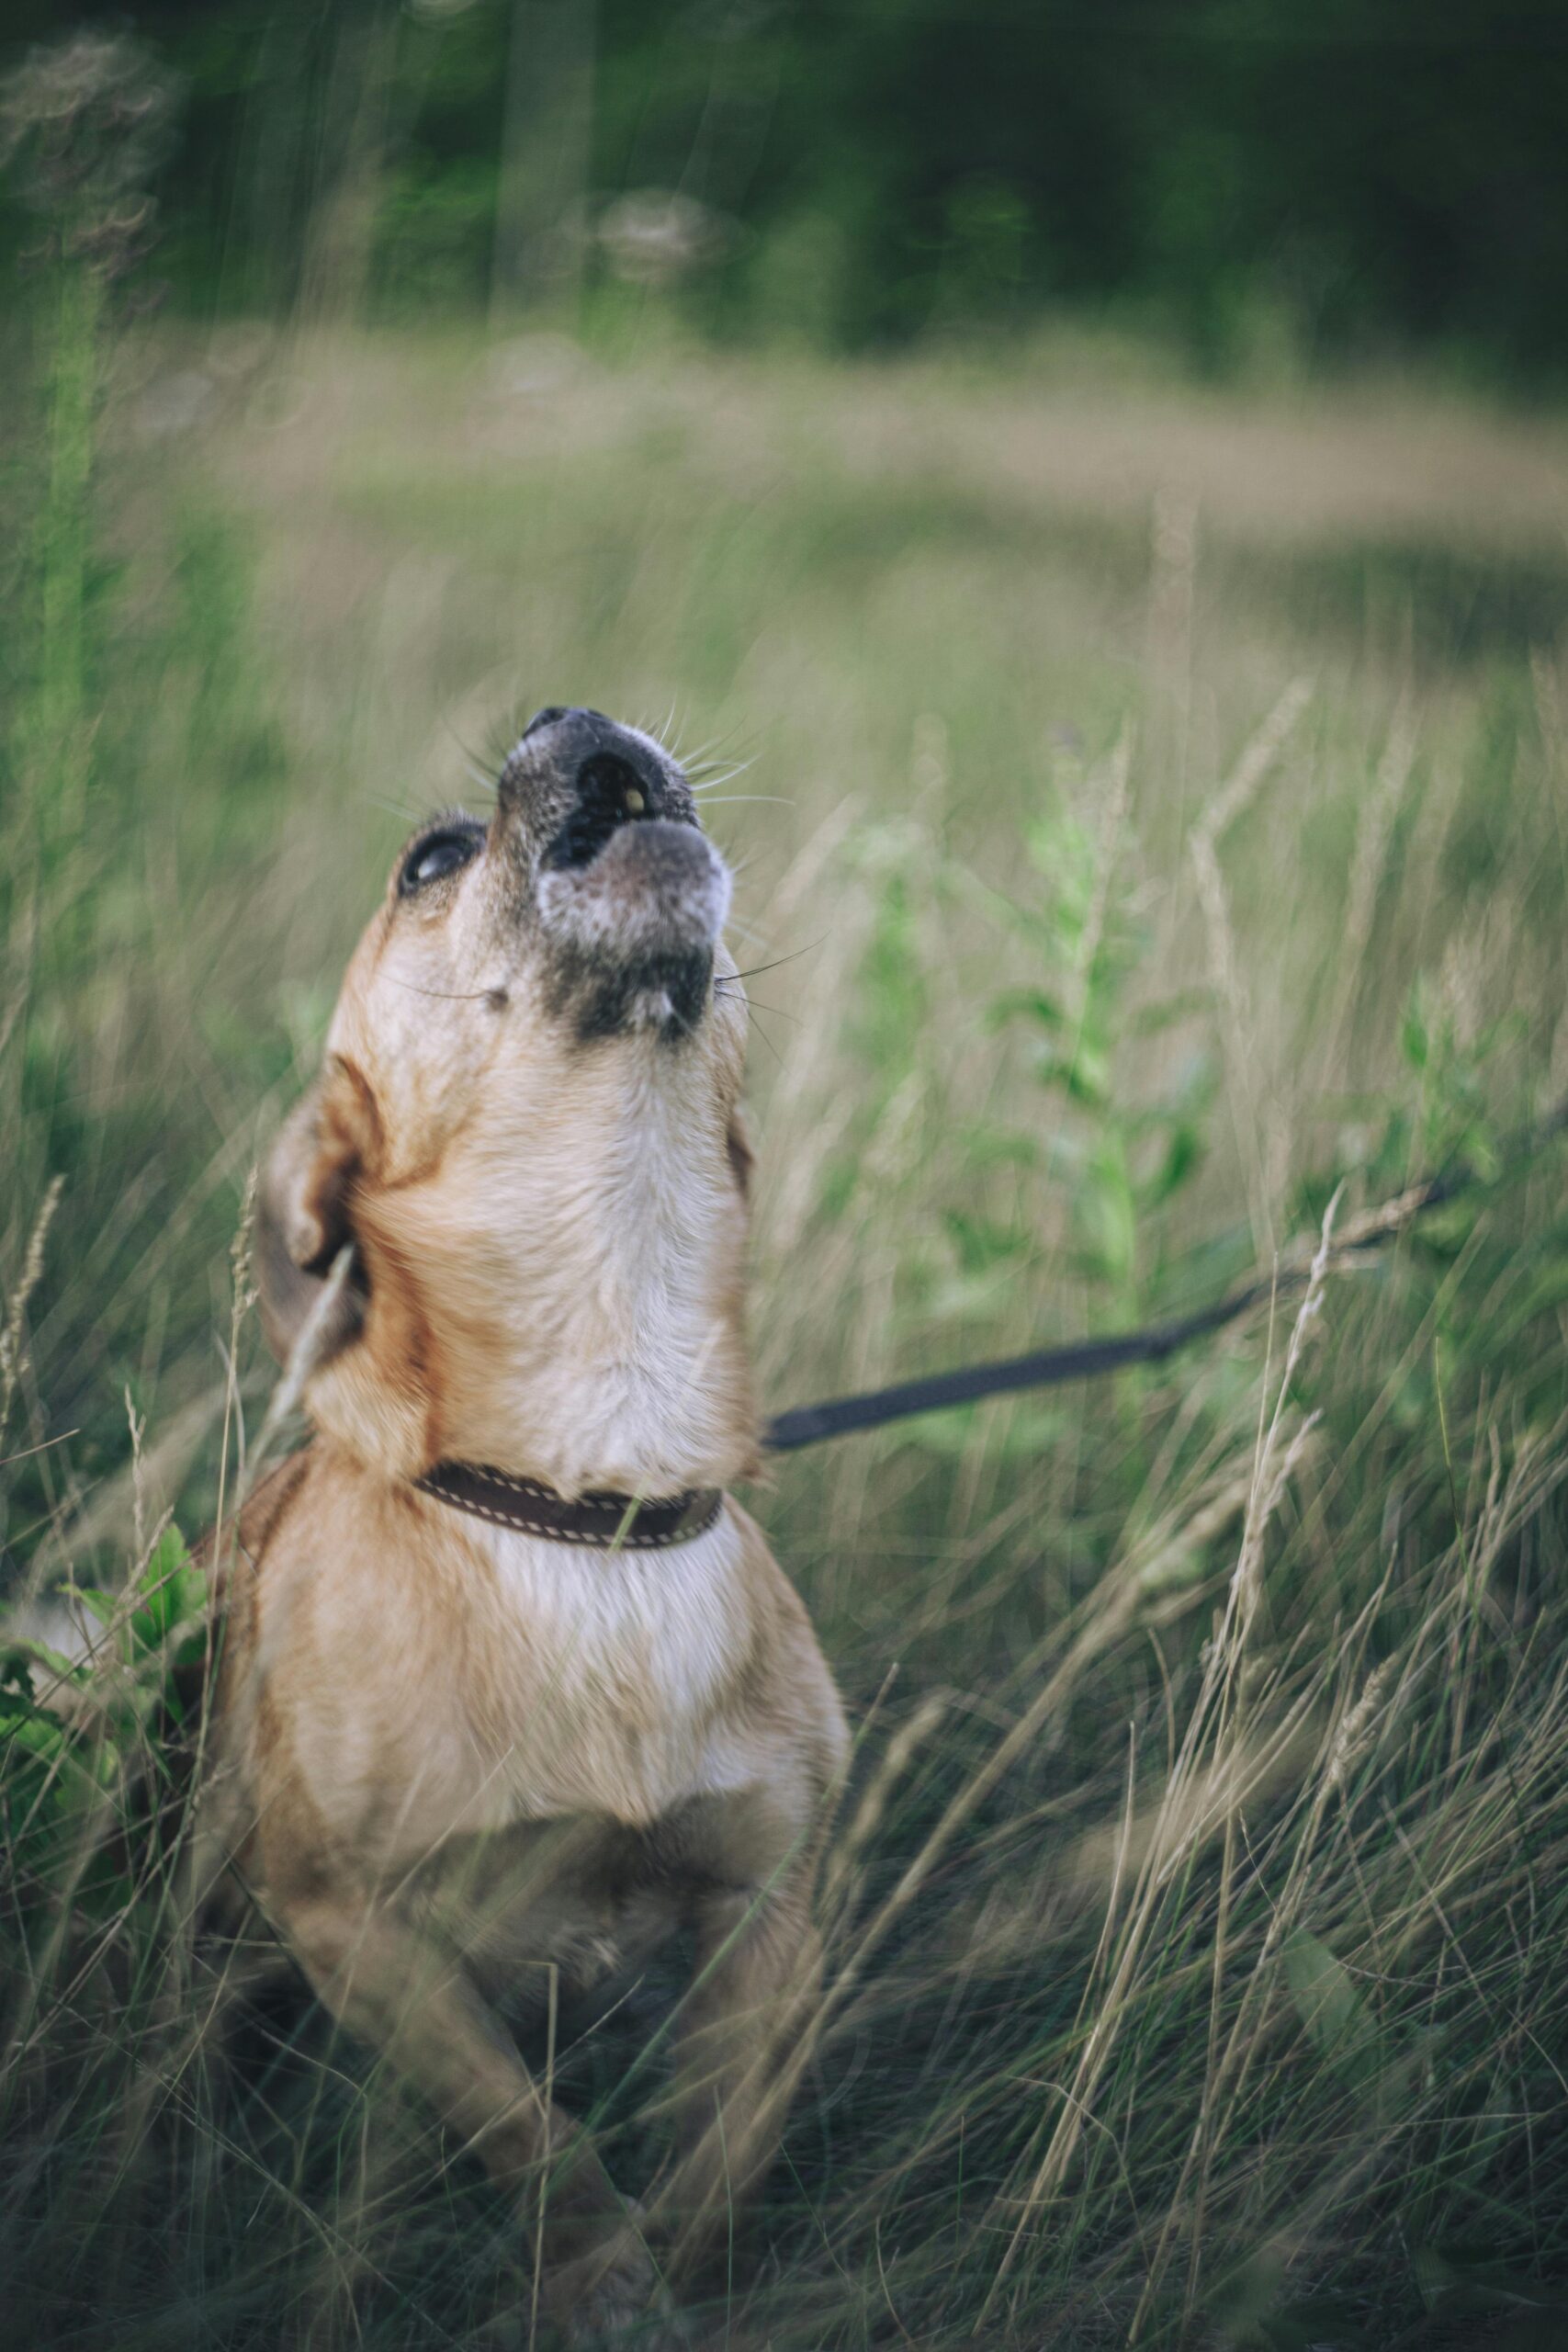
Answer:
[(601, 1522)]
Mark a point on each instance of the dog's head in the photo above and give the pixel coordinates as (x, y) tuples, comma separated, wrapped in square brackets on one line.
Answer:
[(527, 1115)]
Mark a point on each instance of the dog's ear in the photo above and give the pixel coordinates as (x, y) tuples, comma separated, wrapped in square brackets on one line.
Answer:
[(302, 1222)]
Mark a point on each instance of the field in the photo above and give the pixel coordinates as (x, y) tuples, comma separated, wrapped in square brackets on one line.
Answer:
[(1149, 807)]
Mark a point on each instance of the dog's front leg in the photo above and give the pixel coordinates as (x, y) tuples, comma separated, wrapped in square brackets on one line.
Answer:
[(741, 2050), (391, 1984)]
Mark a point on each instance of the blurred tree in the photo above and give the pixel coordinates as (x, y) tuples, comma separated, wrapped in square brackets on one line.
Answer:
[(1362, 175), (545, 153), (348, 164)]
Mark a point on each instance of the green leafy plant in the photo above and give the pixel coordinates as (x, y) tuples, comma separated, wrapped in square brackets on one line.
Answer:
[(74, 1728), (1123, 1152)]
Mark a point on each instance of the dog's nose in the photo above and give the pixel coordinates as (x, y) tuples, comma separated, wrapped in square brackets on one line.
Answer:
[(597, 757), (545, 717)]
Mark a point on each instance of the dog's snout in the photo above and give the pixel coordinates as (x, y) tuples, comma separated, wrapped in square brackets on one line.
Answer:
[(579, 730), (545, 717), (585, 749), (608, 793), (577, 778), (614, 776), (608, 777)]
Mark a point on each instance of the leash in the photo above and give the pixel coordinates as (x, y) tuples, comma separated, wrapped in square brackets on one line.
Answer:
[(1085, 1359)]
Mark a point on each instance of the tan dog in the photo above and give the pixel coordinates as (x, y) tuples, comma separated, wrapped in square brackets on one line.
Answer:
[(466, 1769)]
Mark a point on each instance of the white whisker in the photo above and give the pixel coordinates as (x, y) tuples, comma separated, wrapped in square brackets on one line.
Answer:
[(722, 775)]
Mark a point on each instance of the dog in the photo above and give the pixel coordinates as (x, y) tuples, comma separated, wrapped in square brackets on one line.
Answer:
[(512, 1691)]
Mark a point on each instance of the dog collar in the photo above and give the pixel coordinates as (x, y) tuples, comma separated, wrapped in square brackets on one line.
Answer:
[(600, 1521)]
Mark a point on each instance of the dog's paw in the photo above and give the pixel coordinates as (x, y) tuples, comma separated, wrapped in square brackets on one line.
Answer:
[(610, 2297)]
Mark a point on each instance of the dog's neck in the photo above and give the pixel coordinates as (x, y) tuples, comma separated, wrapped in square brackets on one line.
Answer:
[(562, 1297)]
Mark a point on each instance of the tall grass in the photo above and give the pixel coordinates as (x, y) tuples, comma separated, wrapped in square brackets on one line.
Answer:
[(1141, 881)]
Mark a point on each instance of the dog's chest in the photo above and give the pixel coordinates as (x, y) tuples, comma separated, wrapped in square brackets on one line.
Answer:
[(599, 1682)]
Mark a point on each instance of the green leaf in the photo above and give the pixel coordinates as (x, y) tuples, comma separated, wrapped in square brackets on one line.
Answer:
[(23, 1652), (15, 1669), (1415, 1038), (982, 1243), (995, 1147), (38, 1732), (1085, 1075), (1330, 2009), (1032, 1003), (173, 1591), (1107, 1211), (1183, 1156)]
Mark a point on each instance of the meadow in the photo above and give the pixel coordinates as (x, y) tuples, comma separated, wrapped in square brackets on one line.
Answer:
[(1149, 802)]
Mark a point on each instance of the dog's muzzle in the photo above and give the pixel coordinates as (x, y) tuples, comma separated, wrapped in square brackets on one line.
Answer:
[(632, 896)]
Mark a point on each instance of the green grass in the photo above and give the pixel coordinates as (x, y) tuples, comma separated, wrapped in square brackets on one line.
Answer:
[(1158, 822)]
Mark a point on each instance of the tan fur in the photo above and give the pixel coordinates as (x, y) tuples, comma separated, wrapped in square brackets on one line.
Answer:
[(462, 1768)]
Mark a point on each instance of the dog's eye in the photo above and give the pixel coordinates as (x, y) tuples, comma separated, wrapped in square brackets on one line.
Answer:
[(437, 855)]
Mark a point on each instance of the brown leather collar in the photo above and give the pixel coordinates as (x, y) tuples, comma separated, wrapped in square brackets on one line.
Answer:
[(603, 1522)]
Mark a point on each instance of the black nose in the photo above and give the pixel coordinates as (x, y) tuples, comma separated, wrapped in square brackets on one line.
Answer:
[(614, 776), (576, 715), (598, 757)]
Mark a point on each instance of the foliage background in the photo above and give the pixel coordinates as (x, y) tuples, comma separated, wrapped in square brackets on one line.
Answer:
[(1250, 178)]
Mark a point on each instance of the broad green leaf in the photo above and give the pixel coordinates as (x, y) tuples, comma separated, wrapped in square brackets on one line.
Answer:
[(173, 1591), (1330, 2007), (1183, 1154)]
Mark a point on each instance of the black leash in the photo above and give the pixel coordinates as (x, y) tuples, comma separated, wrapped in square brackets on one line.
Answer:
[(1049, 1367)]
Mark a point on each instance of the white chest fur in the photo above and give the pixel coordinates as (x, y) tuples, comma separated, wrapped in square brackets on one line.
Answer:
[(601, 1682)]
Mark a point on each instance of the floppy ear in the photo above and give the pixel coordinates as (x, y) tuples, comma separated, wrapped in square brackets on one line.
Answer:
[(302, 1222)]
